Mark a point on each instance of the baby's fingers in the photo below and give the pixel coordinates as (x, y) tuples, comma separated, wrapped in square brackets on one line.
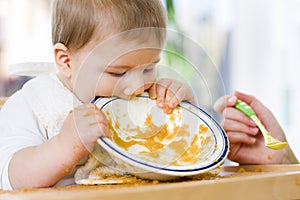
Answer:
[(174, 98), (161, 92), (94, 118), (101, 130), (152, 92), (102, 123)]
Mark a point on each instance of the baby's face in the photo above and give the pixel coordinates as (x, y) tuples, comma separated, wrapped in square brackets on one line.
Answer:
[(129, 75), (122, 70)]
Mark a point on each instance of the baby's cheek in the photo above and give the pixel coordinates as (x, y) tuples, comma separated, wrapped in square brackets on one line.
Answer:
[(105, 90), (105, 85)]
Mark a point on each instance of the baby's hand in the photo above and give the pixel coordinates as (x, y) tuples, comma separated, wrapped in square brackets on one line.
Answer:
[(169, 93), (87, 123)]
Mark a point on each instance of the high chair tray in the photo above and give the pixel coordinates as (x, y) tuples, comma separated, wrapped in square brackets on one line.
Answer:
[(233, 182)]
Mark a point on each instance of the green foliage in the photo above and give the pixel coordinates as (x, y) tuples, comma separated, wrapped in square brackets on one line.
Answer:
[(173, 56)]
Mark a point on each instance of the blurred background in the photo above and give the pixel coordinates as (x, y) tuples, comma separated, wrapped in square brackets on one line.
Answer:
[(217, 46)]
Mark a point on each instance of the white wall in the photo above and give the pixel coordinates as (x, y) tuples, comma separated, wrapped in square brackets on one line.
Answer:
[(27, 34), (265, 58)]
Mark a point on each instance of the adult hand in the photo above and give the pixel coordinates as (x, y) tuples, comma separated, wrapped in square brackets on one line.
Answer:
[(246, 141)]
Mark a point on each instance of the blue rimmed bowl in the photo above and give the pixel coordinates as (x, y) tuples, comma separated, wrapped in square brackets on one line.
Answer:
[(150, 144)]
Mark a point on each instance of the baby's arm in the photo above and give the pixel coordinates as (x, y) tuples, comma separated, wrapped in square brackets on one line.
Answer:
[(169, 93), (46, 164)]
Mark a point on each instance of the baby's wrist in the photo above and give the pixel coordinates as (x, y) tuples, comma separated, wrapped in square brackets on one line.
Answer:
[(73, 145)]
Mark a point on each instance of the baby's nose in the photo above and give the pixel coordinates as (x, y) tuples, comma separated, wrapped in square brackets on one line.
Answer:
[(132, 92), (133, 84)]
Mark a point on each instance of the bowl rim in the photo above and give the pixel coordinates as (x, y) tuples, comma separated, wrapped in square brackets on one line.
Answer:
[(129, 158)]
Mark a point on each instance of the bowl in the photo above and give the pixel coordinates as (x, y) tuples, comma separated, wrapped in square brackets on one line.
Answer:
[(150, 144)]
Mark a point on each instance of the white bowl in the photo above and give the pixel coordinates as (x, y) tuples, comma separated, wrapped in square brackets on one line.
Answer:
[(150, 144)]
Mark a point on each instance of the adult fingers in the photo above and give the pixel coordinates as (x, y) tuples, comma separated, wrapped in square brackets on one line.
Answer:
[(236, 115), (238, 137), (234, 126), (223, 102)]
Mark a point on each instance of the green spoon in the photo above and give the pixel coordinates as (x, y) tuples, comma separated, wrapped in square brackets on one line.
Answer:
[(270, 142)]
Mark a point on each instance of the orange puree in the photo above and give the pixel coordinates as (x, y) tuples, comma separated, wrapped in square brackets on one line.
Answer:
[(148, 121), (203, 129), (155, 138)]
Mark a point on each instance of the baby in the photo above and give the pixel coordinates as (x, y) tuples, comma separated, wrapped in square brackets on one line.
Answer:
[(101, 48)]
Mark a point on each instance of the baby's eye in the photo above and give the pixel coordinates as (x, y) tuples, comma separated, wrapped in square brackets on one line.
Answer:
[(117, 74), (148, 70)]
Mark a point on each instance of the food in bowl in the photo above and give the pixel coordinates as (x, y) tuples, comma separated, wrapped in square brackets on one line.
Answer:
[(150, 144)]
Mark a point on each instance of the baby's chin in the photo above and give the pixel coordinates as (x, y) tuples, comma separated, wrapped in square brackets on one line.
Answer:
[(121, 96)]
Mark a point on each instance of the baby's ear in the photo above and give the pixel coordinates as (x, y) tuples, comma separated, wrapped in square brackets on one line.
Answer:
[(62, 59)]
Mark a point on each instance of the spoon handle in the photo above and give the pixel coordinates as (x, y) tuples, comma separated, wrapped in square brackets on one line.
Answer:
[(270, 142), (244, 107)]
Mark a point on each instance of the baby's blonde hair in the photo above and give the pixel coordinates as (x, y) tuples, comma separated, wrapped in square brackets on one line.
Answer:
[(75, 21)]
